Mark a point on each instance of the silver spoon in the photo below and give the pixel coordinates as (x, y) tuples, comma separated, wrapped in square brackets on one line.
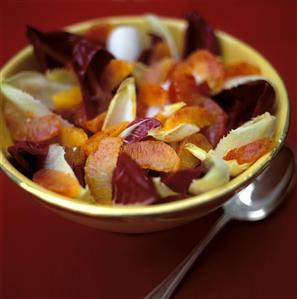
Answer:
[(255, 202)]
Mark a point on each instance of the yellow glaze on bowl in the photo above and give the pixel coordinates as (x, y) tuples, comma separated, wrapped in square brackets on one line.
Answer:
[(133, 219)]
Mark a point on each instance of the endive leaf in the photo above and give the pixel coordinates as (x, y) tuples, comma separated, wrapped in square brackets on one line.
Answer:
[(123, 105)]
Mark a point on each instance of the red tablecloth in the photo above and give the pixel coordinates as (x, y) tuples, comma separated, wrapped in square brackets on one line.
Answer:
[(45, 256)]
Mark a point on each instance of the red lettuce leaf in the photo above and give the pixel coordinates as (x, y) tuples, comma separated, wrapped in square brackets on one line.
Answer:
[(180, 180), (141, 131), (28, 156), (218, 128), (200, 35), (87, 58), (245, 101), (131, 185)]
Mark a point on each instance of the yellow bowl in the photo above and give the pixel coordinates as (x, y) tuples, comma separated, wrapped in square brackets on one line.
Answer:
[(167, 215)]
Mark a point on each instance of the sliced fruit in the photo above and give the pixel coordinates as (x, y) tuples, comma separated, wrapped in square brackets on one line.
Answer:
[(58, 182), (94, 125), (188, 160), (152, 95), (241, 69), (176, 134), (99, 169), (168, 110), (183, 88), (250, 152), (67, 99), (28, 128), (131, 184), (206, 67), (115, 72), (72, 137), (259, 127), (193, 115), (123, 105), (92, 143), (155, 155), (157, 73), (99, 32)]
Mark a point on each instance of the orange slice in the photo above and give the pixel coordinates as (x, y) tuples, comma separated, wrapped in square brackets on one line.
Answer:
[(193, 115), (115, 72), (155, 155), (250, 152), (152, 95), (188, 160), (72, 137), (92, 143), (99, 168), (95, 124), (206, 67), (58, 182)]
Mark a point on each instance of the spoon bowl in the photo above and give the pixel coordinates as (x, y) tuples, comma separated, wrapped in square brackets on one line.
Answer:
[(265, 193)]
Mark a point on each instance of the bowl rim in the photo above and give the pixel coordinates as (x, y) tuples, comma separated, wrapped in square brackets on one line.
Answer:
[(89, 209)]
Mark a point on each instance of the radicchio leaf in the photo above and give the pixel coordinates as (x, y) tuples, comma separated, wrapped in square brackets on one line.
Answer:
[(200, 35), (246, 101), (217, 129), (28, 156), (85, 56), (131, 185), (180, 181), (138, 129)]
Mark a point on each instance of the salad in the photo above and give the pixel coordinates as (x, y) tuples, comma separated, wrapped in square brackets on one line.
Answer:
[(121, 114)]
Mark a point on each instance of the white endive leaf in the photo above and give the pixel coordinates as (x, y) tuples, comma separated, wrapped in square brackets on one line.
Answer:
[(37, 85), (55, 160), (259, 127), (123, 105), (170, 109), (24, 101), (161, 29), (217, 174), (176, 134), (162, 189), (235, 168), (126, 42)]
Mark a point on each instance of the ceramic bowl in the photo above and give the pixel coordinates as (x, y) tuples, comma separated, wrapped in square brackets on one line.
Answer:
[(163, 216)]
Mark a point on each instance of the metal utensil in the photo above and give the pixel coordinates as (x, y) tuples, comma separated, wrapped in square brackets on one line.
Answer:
[(255, 202)]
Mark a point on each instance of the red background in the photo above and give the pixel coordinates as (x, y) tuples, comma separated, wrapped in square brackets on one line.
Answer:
[(45, 256)]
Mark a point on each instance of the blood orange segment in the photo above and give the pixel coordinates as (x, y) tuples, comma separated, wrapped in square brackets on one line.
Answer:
[(206, 67), (99, 32), (152, 95), (241, 69), (95, 124), (72, 137), (29, 128), (92, 143), (250, 152), (58, 182), (115, 72), (155, 155), (193, 115), (188, 160), (99, 168), (67, 99)]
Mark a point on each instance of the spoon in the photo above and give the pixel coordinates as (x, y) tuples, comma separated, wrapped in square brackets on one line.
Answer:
[(255, 202)]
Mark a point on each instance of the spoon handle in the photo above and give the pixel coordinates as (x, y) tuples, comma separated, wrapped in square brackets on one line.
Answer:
[(165, 289)]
